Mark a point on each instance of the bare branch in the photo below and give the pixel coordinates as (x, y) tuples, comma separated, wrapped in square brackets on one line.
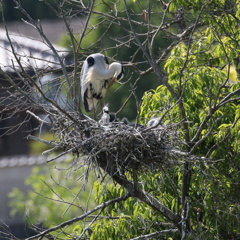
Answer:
[(76, 219), (40, 30), (155, 234)]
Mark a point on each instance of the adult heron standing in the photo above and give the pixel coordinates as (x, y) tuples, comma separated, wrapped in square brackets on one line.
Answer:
[(96, 77)]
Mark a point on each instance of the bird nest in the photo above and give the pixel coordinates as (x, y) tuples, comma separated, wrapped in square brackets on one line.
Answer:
[(117, 146)]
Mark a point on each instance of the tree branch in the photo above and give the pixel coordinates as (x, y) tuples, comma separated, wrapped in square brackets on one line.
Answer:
[(76, 219), (154, 234), (212, 110), (146, 198)]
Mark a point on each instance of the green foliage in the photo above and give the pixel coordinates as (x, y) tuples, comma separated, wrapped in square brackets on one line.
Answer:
[(65, 41), (202, 87), (197, 73), (131, 218), (55, 195)]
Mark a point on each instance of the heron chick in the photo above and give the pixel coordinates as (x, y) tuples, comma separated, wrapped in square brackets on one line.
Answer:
[(105, 119), (155, 123), (95, 79)]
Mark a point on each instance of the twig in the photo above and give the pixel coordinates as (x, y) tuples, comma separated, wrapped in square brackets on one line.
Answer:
[(41, 140), (49, 44), (71, 149), (154, 234), (76, 219), (38, 118)]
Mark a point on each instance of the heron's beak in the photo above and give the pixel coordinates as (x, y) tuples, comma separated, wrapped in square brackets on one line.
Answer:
[(113, 80)]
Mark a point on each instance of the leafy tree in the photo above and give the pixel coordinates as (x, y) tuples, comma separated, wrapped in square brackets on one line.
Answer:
[(178, 180)]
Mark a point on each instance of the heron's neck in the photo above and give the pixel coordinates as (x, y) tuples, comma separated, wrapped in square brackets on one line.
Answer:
[(115, 68), (104, 74)]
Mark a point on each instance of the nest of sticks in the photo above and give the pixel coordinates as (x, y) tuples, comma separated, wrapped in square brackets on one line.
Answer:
[(117, 147)]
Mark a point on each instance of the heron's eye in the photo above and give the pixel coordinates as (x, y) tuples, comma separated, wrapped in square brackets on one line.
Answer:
[(90, 61), (106, 60)]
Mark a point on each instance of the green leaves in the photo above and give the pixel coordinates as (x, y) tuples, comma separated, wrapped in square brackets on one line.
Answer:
[(131, 218), (153, 100), (54, 197), (198, 74)]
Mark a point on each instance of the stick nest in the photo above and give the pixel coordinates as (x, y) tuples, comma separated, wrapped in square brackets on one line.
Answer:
[(117, 146)]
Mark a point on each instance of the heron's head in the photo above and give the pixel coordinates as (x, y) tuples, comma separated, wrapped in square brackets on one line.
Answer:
[(105, 109), (97, 60), (119, 71), (155, 122)]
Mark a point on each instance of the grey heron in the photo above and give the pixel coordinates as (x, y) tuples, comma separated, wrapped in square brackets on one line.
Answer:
[(96, 77)]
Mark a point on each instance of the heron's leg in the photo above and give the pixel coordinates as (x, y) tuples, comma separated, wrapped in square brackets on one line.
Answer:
[(101, 105), (94, 110)]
